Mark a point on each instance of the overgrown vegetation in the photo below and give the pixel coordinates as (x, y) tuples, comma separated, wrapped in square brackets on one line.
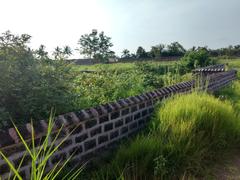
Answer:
[(197, 58), (31, 83), (187, 133)]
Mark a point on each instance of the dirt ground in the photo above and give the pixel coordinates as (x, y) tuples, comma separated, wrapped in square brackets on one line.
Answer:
[(229, 168)]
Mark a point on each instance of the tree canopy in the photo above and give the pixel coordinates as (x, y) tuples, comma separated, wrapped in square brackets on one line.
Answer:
[(96, 45)]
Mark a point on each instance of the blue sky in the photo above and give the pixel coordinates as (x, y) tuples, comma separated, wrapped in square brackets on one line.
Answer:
[(130, 23)]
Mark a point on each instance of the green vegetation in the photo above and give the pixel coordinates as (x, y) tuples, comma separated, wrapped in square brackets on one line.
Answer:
[(231, 64), (96, 46), (119, 66), (232, 94), (187, 133), (197, 58), (109, 83), (32, 83)]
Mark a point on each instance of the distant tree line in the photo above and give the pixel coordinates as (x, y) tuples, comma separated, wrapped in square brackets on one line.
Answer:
[(160, 50), (175, 49), (229, 51)]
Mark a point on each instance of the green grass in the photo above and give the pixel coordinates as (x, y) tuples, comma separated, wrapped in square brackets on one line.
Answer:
[(188, 133), (119, 66), (231, 64), (231, 93)]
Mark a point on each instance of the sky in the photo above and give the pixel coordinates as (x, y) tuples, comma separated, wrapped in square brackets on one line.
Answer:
[(130, 23)]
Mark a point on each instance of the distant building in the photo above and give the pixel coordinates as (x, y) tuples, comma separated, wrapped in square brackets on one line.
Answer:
[(84, 61), (112, 60), (91, 61)]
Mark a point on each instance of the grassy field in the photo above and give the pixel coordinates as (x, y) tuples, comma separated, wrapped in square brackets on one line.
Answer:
[(120, 66), (231, 63)]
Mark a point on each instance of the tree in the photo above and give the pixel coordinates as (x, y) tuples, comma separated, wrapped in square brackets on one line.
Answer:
[(14, 47), (31, 87), (67, 50), (41, 53), (141, 53), (126, 54), (96, 45), (156, 51), (62, 53), (197, 58), (176, 49)]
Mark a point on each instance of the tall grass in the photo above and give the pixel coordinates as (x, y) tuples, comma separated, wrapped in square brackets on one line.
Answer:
[(187, 133), (232, 94), (40, 154)]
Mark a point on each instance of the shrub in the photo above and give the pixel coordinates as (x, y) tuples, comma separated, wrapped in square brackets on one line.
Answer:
[(102, 87), (31, 86), (187, 133), (197, 58), (158, 75)]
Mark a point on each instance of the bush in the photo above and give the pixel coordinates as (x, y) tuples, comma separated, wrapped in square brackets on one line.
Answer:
[(187, 133), (31, 86), (158, 75), (197, 58), (102, 87)]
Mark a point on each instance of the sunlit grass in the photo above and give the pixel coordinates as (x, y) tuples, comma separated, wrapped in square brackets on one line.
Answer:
[(118, 66), (188, 133)]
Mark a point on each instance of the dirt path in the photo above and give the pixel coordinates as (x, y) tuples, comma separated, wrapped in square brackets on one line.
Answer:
[(229, 169)]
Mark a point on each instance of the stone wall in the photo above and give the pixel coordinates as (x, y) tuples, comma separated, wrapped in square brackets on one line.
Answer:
[(98, 128)]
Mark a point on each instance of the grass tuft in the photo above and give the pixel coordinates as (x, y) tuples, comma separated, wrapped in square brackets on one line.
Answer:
[(187, 133)]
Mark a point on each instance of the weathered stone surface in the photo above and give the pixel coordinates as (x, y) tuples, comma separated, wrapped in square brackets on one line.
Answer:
[(76, 150), (137, 116), (128, 119), (81, 138), (103, 119), (124, 130), (6, 139), (90, 123), (96, 131), (114, 134), (108, 127), (102, 139), (118, 123), (115, 115), (125, 111), (59, 158), (90, 144), (134, 108)]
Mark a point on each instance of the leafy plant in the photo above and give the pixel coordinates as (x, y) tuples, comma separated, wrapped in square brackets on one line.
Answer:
[(31, 84), (197, 58), (40, 154)]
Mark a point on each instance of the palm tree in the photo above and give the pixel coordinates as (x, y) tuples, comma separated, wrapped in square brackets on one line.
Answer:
[(67, 50)]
